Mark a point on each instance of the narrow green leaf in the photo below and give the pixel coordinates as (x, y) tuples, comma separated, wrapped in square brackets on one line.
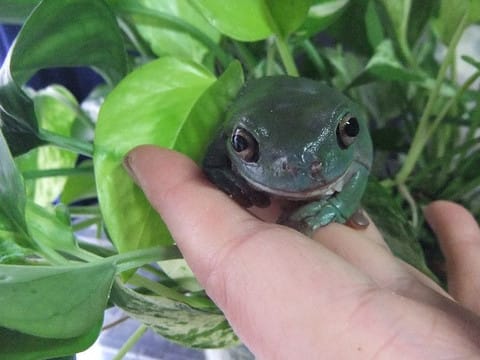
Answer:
[(394, 226), (58, 302), (175, 320), (18, 346), (12, 194), (399, 13), (471, 61), (384, 65), (375, 32), (69, 29), (48, 230)]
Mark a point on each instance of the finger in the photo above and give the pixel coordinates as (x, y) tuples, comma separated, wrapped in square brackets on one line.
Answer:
[(260, 274), (459, 237), (374, 258)]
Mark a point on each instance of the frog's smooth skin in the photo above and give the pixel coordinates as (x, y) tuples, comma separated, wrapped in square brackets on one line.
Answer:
[(294, 139)]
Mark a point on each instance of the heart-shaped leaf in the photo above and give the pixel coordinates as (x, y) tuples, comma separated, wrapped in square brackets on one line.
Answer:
[(251, 20), (163, 115), (51, 37), (58, 302), (176, 321)]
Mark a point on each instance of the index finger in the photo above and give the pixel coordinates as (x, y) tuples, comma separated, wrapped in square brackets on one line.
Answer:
[(253, 270)]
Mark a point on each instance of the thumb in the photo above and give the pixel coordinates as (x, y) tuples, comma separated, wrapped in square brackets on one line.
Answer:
[(459, 237)]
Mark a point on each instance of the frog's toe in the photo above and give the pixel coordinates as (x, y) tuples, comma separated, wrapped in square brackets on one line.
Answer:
[(358, 220), (327, 215)]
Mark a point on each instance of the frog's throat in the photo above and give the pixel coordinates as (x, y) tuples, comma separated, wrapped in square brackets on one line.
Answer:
[(323, 191)]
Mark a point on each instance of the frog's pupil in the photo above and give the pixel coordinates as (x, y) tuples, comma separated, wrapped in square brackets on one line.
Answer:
[(351, 127), (239, 143)]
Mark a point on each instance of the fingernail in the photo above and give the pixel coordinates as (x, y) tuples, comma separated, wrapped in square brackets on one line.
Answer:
[(128, 166)]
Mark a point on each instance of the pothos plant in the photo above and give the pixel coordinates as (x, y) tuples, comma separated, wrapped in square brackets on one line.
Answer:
[(171, 69)]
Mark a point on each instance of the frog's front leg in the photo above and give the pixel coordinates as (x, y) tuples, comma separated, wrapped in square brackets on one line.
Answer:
[(340, 207)]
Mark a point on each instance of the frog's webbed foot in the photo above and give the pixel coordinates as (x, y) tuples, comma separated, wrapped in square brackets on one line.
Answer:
[(310, 217)]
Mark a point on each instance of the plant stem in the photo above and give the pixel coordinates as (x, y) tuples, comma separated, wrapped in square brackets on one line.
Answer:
[(85, 223), (132, 340), (165, 291), (270, 60), (411, 202), (286, 56), (314, 57), (135, 259), (422, 131), (402, 37), (245, 55), (173, 22), (68, 143), (35, 174)]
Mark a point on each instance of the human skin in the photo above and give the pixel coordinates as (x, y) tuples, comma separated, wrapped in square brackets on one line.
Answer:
[(342, 295)]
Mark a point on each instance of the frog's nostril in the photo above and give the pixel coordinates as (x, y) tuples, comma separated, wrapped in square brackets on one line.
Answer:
[(316, 169)]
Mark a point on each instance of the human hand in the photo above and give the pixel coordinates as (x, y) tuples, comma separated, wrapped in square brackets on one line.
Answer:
[(342, 295)]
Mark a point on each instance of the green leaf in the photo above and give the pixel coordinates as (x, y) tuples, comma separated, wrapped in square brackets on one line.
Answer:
[(68, 30), (148, 107), (471, 61), (449, 17), (321, 14), (208, 113), (54, 112), (288, 15), (80, 186), (168, 115), (12, 195), (251, 20), (374, 27), (390, 219), (165, 39), (246, 20), (10, 252), (48, 230), (18, 346), (384, 65), (16, 11), (399, 12), (58, 302), (175, 320)]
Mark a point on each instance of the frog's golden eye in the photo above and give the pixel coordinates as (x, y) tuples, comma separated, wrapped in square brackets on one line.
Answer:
[(347, 130), (245, 145)]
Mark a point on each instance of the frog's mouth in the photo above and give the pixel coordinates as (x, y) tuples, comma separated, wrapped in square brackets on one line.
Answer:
[(323, 191)]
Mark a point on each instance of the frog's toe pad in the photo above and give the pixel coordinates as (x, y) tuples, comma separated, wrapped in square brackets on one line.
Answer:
[(358, 220)]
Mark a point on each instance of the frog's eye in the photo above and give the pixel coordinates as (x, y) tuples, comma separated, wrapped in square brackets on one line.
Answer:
[(245, 145), (347, 130)]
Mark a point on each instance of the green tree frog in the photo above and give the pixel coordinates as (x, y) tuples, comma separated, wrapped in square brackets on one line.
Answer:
[(295, 139)]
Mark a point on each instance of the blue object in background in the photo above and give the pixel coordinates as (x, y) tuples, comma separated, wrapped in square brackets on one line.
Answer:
[(80, 81)]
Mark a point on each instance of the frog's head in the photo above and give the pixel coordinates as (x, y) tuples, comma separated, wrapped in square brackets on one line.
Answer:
[(296, 138)]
